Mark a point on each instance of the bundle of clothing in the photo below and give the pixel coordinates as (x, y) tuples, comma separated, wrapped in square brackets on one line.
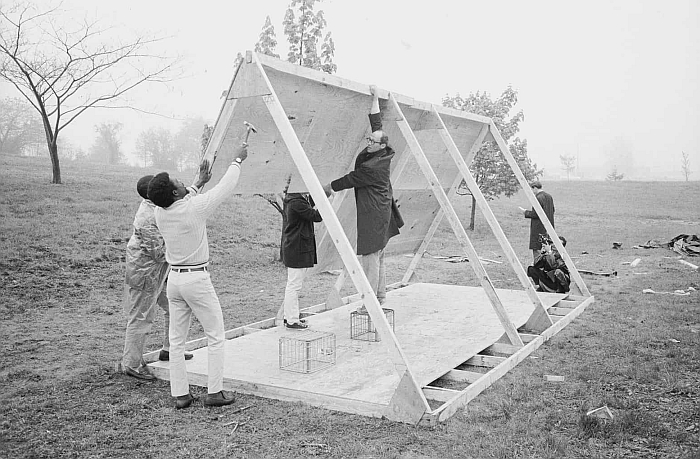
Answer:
[(549, 271)]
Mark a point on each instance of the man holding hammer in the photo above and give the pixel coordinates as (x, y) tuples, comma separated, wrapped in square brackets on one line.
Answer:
[(378, 218), (181, 219)]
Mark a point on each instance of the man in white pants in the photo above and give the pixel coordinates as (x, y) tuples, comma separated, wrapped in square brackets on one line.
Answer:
[(181, 219)]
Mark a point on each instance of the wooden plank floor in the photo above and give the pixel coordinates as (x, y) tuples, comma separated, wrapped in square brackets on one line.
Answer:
[(438, 327)]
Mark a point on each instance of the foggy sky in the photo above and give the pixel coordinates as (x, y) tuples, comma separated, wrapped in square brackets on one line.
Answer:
[(615, 83)]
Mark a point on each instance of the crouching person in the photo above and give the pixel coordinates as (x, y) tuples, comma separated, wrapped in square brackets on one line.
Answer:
[(549, 271), (182, 220)]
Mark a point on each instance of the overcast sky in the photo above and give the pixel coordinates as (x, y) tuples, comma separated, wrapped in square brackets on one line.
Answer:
[(593, 77)]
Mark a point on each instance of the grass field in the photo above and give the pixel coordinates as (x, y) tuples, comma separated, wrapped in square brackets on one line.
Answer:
[(61, 280)]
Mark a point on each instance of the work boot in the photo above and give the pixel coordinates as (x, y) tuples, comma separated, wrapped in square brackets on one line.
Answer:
[(220, 398)]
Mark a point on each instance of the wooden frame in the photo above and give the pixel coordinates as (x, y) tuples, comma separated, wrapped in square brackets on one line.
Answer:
[(428, 138)]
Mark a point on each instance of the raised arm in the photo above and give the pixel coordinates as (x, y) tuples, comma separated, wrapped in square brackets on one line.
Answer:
[(375, 99)]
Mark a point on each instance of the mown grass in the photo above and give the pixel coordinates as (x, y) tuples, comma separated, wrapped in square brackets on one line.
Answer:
[(61, 274)]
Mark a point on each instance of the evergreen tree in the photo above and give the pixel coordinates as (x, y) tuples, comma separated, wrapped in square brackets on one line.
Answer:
[(268, 40), (304, 30)]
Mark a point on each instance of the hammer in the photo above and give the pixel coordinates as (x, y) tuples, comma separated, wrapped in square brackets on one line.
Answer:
[(250, 128)]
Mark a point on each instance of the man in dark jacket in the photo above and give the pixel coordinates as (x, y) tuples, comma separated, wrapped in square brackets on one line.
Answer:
[(536, 227), (298, 251), (378, 219)]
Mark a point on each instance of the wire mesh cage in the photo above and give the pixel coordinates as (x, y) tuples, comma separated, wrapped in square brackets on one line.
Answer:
[(362, 328), (307, 352)]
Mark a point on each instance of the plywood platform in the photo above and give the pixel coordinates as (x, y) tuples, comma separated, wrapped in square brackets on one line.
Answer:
[(438, 327)]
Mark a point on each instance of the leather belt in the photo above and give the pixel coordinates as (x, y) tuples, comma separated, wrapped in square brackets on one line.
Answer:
[(189, 270)]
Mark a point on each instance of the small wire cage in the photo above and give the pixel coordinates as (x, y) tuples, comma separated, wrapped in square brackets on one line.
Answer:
[(362, 328), (307, 352)]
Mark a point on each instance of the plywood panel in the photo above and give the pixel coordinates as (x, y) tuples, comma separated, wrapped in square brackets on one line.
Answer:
[(438, 326)]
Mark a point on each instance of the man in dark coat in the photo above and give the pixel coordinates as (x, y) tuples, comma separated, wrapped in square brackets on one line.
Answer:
[(298, 251), (378, 219), (536, 227)]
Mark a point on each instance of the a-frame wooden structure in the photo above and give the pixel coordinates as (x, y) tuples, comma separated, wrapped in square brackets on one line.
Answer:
[(312, 125)]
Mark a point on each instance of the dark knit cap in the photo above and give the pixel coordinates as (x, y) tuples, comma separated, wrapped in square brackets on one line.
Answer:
[(142, 186)]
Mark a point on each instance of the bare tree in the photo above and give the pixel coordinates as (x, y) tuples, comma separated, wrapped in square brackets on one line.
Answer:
[(65, 69), (568, 163), (685, 165)]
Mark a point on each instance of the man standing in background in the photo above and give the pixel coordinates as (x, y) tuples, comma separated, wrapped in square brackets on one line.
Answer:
[(537, 228)]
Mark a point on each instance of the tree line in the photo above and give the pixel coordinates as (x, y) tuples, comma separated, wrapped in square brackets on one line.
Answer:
[(21, 133)]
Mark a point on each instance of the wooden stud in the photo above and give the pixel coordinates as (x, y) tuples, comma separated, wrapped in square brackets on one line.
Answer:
[(476, 146), (505, 151), (462, 376), (440, 394), (334, 80), (409, 387), (456, 225), (488, 361), (468, 394), (540, 319)]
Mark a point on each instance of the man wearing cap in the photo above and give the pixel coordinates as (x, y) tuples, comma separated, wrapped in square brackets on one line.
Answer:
[(378, 218), (146, 272), (182, 220), (537, 229)]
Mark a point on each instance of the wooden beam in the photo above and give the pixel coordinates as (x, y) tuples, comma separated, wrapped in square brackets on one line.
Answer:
[(334, 80), (221, 125), (559, 311), (408, 386), (476, 146), (462, 376), (540, 319), (503, 348), (468, 394), (488, 361), (528, 337), (505, 151), (457, 227), (440, 394)]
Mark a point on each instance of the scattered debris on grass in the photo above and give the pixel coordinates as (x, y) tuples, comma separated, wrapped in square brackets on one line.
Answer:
[(463, 259), (601, 413), (675, 292), (685, 244), (617, 245), (595, 273), (688, 264), (635, 262), (314, 445)]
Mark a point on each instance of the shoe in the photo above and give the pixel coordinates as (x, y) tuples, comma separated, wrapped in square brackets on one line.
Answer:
[(140, 373), (183, 401), (221, 398), (165, 355), (296, 325), (300, 320)]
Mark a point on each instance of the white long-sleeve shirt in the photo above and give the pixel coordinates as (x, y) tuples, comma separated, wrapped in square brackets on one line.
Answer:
[(184, 224)]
